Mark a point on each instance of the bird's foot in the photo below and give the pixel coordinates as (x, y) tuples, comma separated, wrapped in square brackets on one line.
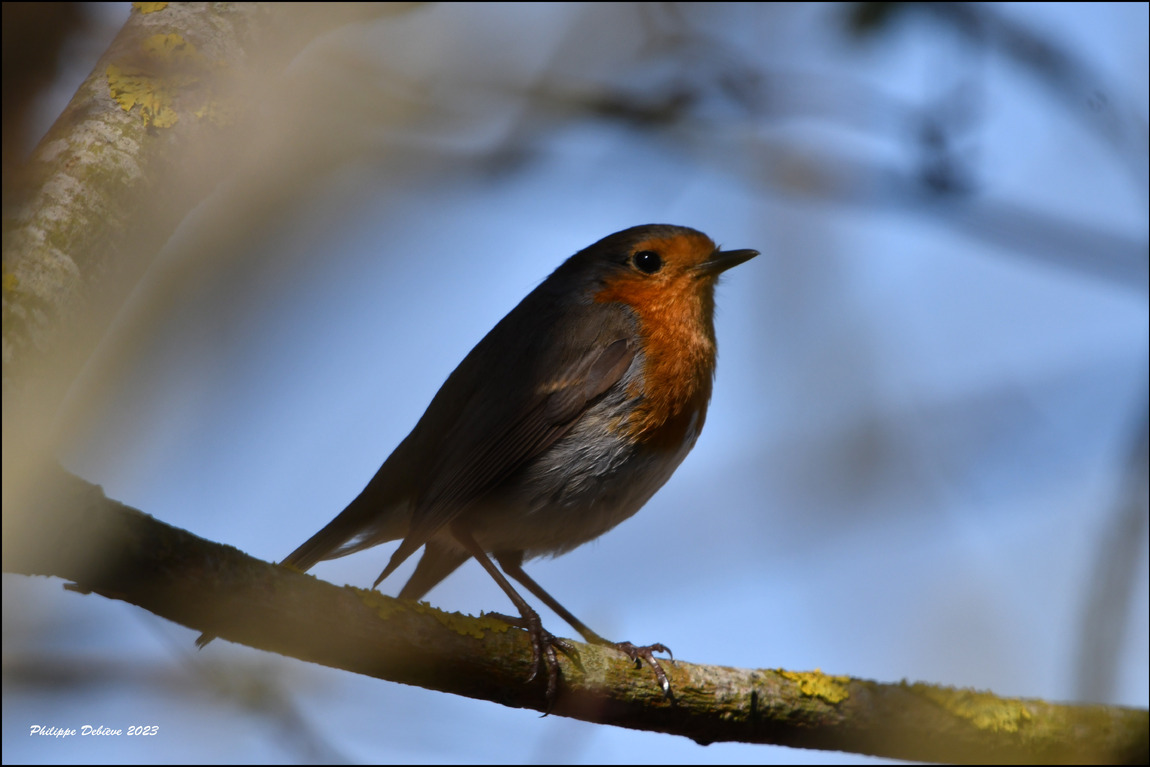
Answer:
[(543, 647), (638, 654)]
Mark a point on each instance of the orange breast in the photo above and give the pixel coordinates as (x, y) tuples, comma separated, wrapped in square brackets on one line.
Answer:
[(675, 325)]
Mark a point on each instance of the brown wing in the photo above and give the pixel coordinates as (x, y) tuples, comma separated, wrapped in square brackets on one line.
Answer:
[(542, 422), (494, 432)]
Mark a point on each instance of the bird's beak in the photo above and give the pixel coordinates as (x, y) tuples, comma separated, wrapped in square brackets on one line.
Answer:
[(722, 260)]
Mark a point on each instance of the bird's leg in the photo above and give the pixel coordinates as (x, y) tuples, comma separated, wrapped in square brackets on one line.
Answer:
[(543, 643), (512, 564)]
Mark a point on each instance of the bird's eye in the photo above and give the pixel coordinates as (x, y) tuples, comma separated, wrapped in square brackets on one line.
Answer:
[(647, 261)]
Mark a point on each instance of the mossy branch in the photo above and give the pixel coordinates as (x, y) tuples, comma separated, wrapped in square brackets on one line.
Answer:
[(164, 118), (103, 547)]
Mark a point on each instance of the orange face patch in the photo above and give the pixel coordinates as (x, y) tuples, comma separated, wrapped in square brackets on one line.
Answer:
[(682, 250), (674, 306)]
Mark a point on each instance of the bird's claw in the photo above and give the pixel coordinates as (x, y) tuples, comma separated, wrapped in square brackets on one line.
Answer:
[(638, 654), (543, 647)]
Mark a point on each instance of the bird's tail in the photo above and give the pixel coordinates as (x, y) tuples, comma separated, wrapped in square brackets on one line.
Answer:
[(372, 518), (364, 523)]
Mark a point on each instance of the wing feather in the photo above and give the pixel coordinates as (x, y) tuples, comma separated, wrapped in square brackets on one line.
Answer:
[(493, 436), (500, 453)]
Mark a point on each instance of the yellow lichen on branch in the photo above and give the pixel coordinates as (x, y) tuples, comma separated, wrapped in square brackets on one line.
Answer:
[(982, 709), (134, 89), (167, 67), (816, 684)]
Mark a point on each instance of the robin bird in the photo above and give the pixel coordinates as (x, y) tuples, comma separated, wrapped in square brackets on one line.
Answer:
[(560, 424)]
